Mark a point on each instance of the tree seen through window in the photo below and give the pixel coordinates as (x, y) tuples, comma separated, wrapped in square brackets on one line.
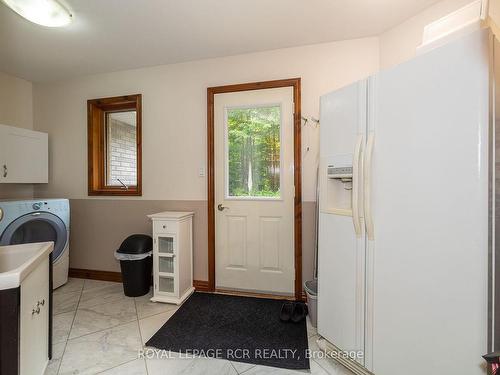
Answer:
[(254, 151)]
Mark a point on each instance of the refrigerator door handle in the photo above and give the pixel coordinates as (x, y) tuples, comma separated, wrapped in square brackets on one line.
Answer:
[(356, 163), (367, 165)]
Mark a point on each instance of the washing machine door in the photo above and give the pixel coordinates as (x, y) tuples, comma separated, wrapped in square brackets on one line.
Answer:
[(37, 227)]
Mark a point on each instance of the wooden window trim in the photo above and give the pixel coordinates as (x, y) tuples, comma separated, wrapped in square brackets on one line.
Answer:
[(96, 110)]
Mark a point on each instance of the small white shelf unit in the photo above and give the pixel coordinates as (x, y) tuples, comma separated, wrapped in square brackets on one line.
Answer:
[(172, 256)]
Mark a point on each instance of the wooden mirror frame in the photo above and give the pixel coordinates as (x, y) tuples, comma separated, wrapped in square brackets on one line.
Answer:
[(96, 112)]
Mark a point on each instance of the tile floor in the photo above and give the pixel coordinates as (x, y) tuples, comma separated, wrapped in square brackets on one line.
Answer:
[(97, 330)]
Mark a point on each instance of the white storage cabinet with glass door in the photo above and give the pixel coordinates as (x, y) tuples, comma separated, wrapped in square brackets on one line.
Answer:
[(172, 256)]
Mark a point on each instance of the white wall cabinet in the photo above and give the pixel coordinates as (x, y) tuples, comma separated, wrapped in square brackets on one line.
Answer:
[(172, 256), (24, 155)]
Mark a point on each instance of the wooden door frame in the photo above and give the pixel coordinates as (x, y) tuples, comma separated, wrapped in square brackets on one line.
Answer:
[(211, 92)]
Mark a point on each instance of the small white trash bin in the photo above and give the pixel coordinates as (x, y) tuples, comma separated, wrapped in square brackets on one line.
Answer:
[(311, 288)]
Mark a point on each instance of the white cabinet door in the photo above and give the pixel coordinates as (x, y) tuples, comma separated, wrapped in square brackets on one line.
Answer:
[(35, 320), (166, 266), (23, 155), (430, 209), (341, 285)]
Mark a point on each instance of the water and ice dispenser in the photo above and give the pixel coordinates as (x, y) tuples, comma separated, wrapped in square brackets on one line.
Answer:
[(337, 183)]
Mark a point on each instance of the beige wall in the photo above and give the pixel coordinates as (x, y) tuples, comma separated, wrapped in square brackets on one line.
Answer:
[(99, 226), (494, 17), (174, 112), (16, 109), (494, 11), (400, 43), (174, 139)]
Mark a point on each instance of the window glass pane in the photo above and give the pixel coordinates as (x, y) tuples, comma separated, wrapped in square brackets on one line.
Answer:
[(254, 151), (166, 264), (166, 245), (166, 284), (121, 148)]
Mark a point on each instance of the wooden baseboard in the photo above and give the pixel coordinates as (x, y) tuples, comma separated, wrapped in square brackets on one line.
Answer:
[(200, 285), (254, 294), (81, 273)]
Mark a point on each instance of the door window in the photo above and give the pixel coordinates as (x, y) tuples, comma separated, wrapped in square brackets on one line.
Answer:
[(253, 152)]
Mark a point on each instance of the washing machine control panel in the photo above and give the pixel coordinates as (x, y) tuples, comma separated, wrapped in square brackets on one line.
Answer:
[(36, 206)]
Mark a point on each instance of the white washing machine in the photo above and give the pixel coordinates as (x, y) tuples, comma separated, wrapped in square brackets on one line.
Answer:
[(39, 220)]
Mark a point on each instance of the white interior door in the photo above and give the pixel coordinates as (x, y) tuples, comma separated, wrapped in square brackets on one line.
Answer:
[(254, 191)]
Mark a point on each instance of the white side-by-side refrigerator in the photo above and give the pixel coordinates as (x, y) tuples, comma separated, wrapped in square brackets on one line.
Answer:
[(404, 214)]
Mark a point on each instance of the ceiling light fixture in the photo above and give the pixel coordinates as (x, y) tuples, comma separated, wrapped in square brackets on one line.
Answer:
[(42, 12)]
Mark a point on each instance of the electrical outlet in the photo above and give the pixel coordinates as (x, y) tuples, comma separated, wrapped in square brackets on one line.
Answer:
[(201, 172)]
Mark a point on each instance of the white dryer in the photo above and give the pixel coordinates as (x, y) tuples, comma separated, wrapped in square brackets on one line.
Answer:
[(39, 220)]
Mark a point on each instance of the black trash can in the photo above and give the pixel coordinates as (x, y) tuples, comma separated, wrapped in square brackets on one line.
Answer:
[(135, 259)]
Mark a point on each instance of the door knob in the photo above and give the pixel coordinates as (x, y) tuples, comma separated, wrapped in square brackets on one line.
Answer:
[(220, 207)]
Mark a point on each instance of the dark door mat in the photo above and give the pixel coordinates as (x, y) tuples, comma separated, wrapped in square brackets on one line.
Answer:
[(241, 329)]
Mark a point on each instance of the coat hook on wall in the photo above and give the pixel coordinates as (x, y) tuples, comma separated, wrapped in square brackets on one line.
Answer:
[(312, 119), (315, 125), (315, 120)]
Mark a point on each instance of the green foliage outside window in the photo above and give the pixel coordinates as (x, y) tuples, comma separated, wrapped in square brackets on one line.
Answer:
[(254, 151)]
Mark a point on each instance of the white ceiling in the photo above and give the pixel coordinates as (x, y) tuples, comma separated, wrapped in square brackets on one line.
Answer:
[(111, 35)]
